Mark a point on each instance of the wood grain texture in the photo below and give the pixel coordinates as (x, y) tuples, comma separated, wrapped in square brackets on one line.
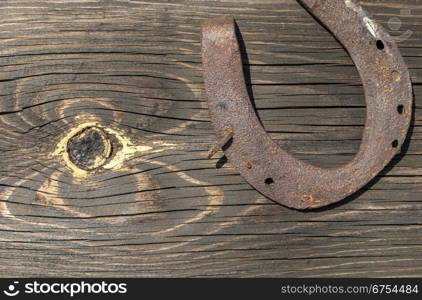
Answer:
[(163, 209)]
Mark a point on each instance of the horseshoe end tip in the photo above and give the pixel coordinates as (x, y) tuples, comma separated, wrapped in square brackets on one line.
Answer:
[(216, 23)]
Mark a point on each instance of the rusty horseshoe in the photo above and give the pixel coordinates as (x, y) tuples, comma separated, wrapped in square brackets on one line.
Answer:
[(268, 168)]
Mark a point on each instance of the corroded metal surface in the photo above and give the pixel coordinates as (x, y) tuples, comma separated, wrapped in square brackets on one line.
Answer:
[(267, 167)]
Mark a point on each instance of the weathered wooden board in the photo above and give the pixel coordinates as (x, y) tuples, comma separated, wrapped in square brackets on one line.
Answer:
[(160, 208)]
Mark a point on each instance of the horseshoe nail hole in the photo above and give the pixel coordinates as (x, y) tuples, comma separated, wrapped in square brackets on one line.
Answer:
[(400, 109), (380, 45), (269, 181), (395, 144)]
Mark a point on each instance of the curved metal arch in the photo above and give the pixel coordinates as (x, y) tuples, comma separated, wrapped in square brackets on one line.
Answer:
[(271, 170)]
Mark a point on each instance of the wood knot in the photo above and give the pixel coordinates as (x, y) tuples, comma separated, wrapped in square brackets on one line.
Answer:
[(89, 148)]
